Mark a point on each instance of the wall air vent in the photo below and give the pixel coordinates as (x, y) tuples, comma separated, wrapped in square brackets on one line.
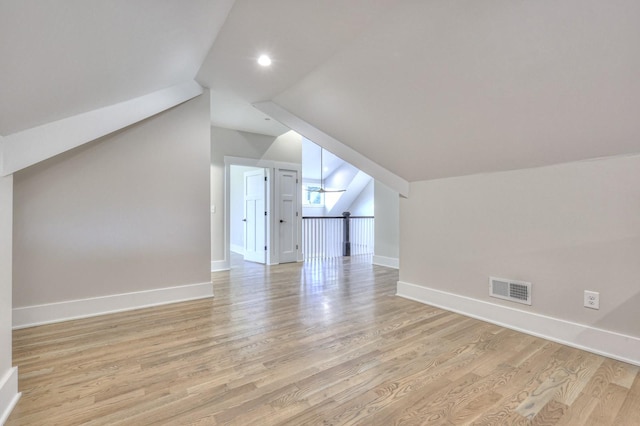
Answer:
[(515, 291)]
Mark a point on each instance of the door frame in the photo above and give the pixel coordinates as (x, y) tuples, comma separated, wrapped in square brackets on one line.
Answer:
[(272, 236), (277, 212)]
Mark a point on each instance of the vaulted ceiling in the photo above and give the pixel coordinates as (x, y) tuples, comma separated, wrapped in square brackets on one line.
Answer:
[(426, 89), (66, 57)]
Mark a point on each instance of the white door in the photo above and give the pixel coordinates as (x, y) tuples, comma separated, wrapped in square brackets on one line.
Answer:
[(288, 221), (255, 216)]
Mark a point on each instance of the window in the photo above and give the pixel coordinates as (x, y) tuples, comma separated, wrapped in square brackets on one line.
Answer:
[(311, 196)]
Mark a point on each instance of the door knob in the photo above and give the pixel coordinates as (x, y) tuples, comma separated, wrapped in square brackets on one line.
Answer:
[(281, 221), (244, 220)]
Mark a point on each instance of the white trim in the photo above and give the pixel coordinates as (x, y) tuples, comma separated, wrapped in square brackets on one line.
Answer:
[(259, 162), (9, 394), (236, 248), (343, 151), (22, 149), (219, 265), (30, 316), (602, 342), (389, 262)]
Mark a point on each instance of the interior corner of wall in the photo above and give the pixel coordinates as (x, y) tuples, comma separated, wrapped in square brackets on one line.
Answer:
[(2, 156)]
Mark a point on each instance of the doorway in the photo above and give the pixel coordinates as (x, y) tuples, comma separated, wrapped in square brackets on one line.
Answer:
[(263, 211), (248, 207)]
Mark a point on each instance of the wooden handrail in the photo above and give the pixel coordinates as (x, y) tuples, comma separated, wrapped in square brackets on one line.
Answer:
[(337, 217)]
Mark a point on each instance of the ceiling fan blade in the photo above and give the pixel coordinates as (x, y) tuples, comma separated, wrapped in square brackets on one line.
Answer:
[(323, 191)]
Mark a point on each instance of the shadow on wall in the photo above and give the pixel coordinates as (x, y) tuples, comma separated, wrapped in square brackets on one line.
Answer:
[(625, 313)]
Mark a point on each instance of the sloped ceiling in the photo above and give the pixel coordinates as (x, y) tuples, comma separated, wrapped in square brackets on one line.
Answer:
[(298, 35), (426, 89), (431, 89), (62, 58)]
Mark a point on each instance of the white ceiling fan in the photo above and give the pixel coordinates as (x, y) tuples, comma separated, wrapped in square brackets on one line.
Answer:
[(322, 190)]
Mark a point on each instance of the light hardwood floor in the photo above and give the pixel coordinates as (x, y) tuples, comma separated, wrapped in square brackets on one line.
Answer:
[(322, 343)]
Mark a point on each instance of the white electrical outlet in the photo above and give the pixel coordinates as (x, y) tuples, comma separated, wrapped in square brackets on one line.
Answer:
[(591, 299)]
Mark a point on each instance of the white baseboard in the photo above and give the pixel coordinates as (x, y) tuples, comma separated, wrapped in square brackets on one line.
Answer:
[(602, 342), (30, 316), (389, 262), (236, 249), (9, 394), (219, 265)]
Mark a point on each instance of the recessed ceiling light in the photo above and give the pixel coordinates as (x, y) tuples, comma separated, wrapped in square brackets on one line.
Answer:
[(264, 60)]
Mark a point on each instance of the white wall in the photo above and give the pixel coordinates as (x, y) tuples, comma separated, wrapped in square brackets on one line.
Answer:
[(226, 142), (387, 228), (8, 377), (6, 214), (363, 205), (565, 228), (341, 177), (314, 211), (126, 213)]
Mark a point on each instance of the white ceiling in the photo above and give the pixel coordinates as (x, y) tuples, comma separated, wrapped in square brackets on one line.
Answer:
[(62, 58), (232, 112), (431, 89), (427, 89), (299, 36)]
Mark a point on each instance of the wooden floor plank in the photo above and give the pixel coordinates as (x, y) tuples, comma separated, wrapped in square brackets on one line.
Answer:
[(301, 344), (629, 413), (607, 409)]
